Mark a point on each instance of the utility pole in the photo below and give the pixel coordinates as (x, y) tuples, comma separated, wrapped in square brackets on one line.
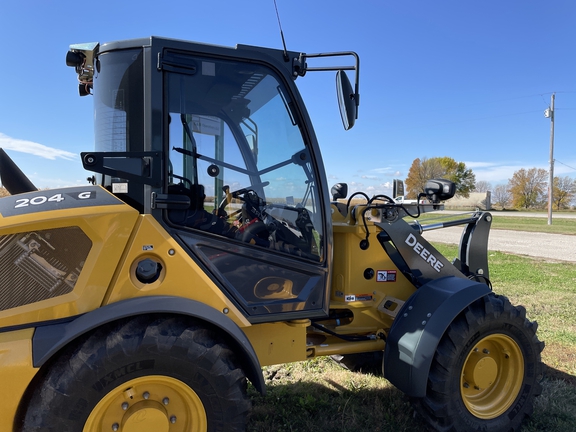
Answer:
[(549, 113)]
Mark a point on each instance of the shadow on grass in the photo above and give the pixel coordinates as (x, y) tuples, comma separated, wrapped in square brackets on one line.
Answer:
[(332, 407), (354, 404), (558, 375), (555, 408)]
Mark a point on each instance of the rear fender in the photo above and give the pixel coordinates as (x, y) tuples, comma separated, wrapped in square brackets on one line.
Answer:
[(49, 339), (419, 326)]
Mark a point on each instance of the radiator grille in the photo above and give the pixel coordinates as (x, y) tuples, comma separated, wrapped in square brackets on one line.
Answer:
[(39, 265)]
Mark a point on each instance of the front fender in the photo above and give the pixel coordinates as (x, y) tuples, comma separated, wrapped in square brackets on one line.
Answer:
[(419, 326), (49, 339)]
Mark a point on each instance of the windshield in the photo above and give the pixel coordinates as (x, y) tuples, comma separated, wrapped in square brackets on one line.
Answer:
[(234, 138)]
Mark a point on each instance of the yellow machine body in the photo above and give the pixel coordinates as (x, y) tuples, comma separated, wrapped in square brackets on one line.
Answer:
[(119, 238)]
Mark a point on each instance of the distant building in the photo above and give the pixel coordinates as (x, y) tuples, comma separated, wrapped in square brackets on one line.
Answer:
[(476, 200)]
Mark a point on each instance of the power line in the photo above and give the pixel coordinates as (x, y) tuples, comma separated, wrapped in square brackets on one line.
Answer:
[(562, 163)]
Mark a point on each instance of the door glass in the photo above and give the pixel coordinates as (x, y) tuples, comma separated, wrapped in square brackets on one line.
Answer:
[(237, 151)]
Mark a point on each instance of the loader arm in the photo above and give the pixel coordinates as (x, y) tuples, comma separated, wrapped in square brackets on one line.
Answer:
[(421, 262)]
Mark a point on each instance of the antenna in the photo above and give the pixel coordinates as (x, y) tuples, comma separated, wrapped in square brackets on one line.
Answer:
[(286, 58)]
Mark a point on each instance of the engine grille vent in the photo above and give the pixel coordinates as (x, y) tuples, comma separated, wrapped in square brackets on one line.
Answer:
[(40, 265)]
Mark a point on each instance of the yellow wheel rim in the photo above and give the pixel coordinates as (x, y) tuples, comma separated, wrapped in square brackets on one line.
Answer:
[(492, 376), (152, 403)]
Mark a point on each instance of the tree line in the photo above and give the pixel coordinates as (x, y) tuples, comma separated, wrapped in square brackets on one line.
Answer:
[(527, 189)]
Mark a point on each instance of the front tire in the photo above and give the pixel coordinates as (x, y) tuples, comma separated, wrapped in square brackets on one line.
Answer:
[(486, 371), (148, 373)]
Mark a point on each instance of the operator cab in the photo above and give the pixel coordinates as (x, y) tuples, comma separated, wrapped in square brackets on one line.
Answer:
[(215, 144)]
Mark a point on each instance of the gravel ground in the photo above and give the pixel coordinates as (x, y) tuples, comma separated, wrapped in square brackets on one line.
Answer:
[(557, 247)]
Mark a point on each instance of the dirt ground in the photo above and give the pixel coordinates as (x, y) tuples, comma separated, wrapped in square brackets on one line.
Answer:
[(558, 247)]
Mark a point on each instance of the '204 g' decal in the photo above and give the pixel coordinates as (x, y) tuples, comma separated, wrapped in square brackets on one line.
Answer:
[(74, 197), (42, 199)]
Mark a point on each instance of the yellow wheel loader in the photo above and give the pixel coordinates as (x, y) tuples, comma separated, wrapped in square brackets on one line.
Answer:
[(208, 244)]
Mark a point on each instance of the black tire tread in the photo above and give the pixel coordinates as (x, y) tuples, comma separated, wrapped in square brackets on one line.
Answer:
[(486, 314), (178, 340)]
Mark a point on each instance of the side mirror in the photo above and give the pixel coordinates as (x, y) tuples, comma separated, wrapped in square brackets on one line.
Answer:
[(339, 190), (346, 100), (397, 188), (439, 190)]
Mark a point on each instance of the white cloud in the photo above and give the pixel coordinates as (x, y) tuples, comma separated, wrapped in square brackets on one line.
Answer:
[(495, 173), (384, 170), (33, 148), (475, 165)]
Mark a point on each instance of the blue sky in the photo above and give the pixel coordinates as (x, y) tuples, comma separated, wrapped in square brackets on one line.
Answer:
[(464, 79)]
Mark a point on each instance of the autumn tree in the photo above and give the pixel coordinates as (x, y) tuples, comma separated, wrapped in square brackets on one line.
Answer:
[(528, 188), (419, 173), (564, 192), (3, 192), (501, 196), (445, 167)]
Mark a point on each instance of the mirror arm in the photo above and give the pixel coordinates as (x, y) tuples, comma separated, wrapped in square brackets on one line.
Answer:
[(303, 68)]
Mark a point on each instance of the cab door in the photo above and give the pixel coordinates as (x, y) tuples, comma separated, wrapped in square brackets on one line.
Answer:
[(255, 216)]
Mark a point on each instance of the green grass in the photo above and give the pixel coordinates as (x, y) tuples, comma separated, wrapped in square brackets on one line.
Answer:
[(318, 395), (535, 224), (548, 292)]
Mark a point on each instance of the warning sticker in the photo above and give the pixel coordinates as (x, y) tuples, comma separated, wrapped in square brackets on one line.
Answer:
[(386, 276), (358, 297)]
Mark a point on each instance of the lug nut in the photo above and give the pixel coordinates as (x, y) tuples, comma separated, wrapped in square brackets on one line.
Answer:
[(125, 406), (146, 395), (173, 419), (115, 427), (485, 351), (165, 401)]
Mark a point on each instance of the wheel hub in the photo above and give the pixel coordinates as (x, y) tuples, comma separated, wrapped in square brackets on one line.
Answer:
[(149, 404), (146, 417), (492, 376), (481, 371)]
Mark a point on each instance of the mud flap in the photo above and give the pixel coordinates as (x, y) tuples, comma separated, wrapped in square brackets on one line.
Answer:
[(419, 326)]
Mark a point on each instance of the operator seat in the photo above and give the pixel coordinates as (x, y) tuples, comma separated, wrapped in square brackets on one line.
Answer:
[(195, 216)]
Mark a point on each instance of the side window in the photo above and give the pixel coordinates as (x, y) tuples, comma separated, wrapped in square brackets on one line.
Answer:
[(238, 153)]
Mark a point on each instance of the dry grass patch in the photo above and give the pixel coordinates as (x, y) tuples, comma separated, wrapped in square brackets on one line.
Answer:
[(319, 395)]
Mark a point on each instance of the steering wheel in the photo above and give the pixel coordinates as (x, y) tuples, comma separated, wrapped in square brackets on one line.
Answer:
[(240, 193)]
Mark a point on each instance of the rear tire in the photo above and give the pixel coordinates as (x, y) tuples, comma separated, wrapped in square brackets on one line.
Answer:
[(147, 373), (485, 373)]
